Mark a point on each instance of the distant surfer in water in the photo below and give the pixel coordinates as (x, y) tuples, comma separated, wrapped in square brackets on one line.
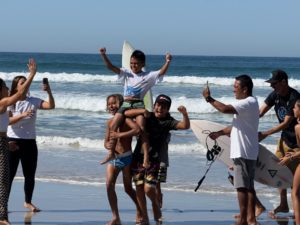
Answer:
[(243, 143), (136, 84), (294, 157), (283, 99)]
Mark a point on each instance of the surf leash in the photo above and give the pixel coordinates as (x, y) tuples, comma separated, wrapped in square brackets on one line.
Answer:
[(211, 155)]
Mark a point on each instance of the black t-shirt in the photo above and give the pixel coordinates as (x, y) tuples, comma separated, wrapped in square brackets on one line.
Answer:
[(158, 133), (283, 106)]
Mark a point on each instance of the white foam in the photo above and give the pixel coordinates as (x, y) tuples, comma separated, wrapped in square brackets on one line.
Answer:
[(77, 143), (196, 80), (62, 77), (80, 144)]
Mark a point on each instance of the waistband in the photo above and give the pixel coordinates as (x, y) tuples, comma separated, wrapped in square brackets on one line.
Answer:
[(133, 100), (122, 155)]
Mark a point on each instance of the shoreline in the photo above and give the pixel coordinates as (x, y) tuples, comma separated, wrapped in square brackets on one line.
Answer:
[(64, 204)]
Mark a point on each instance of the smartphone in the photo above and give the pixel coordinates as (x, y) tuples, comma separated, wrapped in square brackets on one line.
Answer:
[(45, 80)]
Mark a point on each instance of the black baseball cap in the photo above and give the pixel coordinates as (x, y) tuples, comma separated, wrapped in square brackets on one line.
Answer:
[(163, 99), (277, 75)]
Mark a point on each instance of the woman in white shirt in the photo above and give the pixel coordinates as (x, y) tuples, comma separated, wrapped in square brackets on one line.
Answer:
[(22, 136), (5, 101)]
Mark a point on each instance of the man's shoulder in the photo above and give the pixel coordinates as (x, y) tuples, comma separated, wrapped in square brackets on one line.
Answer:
[(294, 93)]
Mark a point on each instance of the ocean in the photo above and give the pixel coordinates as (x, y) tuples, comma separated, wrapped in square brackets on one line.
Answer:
[(70, 138)]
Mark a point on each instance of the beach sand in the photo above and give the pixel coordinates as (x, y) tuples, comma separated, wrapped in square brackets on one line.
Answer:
[(64, 204)]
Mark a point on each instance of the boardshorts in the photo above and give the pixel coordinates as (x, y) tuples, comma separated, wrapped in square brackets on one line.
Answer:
[(141, 175), (244, 171)]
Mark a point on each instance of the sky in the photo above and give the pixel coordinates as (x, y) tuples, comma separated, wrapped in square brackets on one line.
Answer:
[(181, 27)]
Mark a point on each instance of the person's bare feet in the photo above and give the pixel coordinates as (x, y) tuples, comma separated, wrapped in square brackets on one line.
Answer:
[(31, 207), (240, 223), (259, 211), (114, 222), (107, 159), (142, 222), (280, 208)]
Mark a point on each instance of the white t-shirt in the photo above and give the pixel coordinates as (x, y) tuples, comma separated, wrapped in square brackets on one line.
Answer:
[(137, 85), (25, 128), (244, 133)]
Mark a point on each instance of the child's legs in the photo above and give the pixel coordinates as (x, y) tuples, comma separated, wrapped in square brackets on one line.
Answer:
[(111, 177), (116, 121), (150, 191), (296, 195), (141, 198), (127, 181), (140, 120)]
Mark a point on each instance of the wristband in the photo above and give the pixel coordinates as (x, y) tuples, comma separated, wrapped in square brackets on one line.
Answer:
[(209, 99)]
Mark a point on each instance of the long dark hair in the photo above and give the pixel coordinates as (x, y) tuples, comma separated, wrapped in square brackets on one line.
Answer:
[(14, 84), (2, 84)]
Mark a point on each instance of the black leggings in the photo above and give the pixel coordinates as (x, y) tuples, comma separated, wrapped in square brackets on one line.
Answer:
[(28, 155), (4, 178)]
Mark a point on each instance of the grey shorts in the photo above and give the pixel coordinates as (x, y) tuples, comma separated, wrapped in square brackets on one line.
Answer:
[(244, 171)]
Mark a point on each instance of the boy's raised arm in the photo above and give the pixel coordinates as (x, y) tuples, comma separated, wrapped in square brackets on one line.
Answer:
[(165, 67), (185, 122), (107, 62)]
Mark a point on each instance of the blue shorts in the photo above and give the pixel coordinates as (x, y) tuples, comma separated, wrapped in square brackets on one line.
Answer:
[(122, 160)]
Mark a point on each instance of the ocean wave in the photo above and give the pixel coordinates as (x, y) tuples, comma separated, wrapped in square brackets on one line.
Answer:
[(173, 79), (62, 77), (80, 144), (97, 102), (77, 143)]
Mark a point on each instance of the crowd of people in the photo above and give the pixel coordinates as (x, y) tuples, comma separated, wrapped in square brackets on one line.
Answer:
[(149, 156), (146, 165)]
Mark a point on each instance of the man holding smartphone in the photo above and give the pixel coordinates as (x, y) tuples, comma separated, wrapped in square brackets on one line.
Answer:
[(243, 142)]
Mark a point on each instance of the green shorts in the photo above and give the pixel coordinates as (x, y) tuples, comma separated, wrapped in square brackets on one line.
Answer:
[(133, 104)]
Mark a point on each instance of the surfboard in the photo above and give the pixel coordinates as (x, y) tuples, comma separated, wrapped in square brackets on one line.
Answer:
[(126, 54), (267, 170)]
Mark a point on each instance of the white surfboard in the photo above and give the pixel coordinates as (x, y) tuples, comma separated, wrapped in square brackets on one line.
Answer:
[(126, 54), (267, 171)]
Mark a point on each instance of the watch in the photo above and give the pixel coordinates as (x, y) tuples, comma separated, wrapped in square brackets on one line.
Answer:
[(209, 99)]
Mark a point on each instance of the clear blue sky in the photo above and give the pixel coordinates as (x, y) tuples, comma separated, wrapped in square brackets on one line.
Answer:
[(188, 27)]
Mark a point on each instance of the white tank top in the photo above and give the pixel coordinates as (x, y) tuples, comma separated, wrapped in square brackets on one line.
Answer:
[(4, 121)]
